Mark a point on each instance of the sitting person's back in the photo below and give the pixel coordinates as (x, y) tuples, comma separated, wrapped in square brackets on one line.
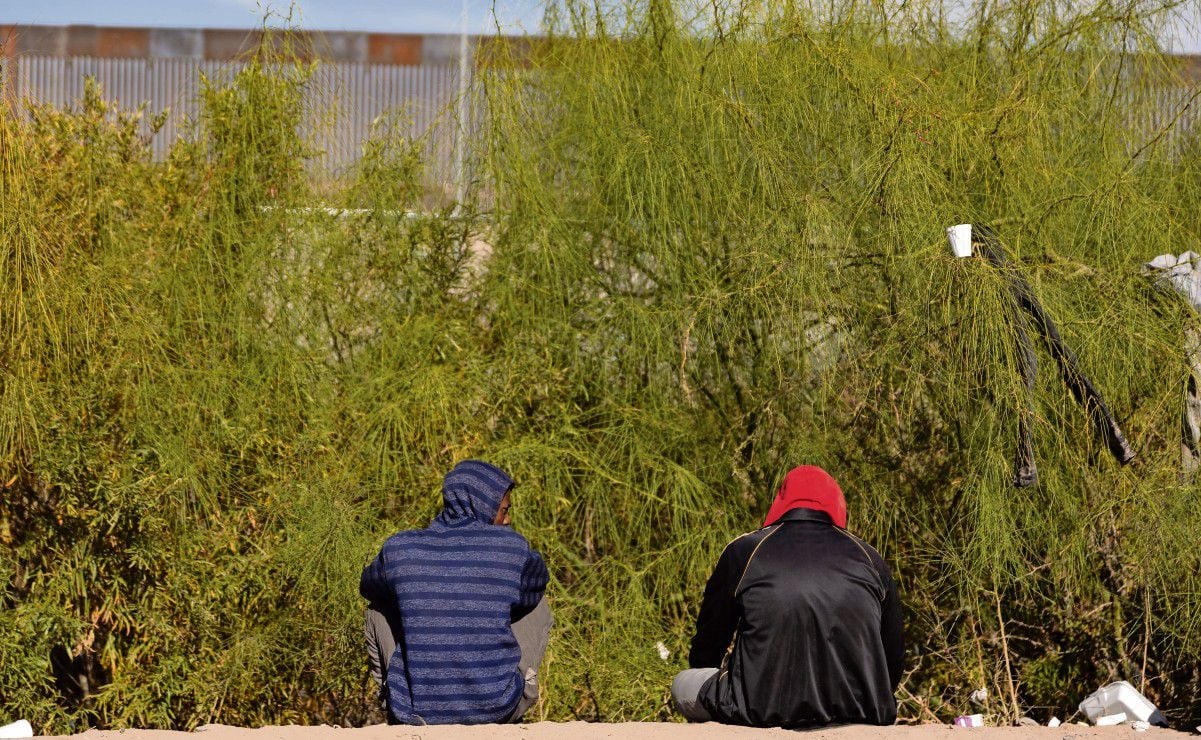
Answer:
[(444, 606), (800, 623)]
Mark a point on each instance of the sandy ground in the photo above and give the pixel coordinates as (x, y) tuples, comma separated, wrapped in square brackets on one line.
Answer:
[(637, 731)]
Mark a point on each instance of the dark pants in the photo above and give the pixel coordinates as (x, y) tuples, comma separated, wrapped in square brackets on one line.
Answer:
[(532, 632)]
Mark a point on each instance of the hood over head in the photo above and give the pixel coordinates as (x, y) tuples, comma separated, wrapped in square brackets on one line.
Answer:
[(473, 489), (809, 487)]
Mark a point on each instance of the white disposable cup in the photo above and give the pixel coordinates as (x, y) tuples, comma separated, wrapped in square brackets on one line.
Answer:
[(19, 729), (960, 237)]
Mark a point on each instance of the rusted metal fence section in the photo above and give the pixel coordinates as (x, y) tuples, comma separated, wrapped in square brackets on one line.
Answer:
[(343, 99)]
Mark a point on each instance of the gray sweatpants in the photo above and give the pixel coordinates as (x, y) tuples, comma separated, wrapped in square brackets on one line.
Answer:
[(686, 691), (532, 632)]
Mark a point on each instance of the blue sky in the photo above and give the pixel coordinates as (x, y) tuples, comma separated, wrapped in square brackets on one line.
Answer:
[(399, 16), (394, 16)]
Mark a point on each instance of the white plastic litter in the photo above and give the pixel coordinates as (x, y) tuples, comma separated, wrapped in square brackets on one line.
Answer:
[(1120, 698), (1140, 726), (1110, 720), (979, 696), (1183, 273), (19, 729), (970, 720), (960, 237), (1054, 722)]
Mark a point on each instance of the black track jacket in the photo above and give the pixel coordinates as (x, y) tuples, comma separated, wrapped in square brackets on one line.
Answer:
[(804, 622)]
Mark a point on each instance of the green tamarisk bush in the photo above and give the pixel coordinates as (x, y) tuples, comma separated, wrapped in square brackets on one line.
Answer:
[(728, 220), (714, 249)]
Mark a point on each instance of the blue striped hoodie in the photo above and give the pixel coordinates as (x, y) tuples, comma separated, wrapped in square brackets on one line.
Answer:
[(457, 586)]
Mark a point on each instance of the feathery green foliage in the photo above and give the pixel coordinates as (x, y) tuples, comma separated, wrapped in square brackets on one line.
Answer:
[(716, 252), (728, 220), (210, 399)]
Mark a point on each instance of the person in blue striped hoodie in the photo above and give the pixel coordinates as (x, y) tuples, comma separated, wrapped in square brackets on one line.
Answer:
[(457, 623)]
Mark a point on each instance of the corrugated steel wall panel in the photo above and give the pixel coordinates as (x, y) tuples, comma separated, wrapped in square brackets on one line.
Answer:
[(343, 99)]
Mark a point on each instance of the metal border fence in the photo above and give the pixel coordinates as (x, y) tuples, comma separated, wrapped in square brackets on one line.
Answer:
[(345, 98)]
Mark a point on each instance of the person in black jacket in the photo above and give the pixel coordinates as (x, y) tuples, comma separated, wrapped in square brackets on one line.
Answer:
[(800, 623)]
